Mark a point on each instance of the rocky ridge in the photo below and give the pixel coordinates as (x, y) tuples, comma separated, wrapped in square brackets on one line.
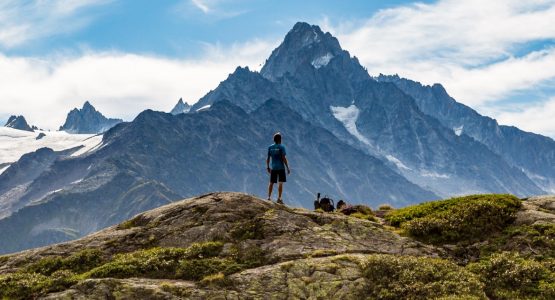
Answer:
[(298, 254)]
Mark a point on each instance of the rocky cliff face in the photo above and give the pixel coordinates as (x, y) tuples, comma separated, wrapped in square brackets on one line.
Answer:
[(233, 245), (533, 153), (19, 122), (87, 120)]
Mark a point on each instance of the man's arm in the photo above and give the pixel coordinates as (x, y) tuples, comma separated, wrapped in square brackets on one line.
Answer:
[(286, 164), (268, 164)]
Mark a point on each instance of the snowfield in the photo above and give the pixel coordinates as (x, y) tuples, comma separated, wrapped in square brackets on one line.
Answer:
[(348, 116), (14, 143)]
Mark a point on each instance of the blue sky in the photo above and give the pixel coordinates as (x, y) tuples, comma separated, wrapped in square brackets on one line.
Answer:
[(125, 56)]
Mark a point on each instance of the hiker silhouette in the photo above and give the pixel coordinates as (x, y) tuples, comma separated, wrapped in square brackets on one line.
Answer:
[(278, 159)]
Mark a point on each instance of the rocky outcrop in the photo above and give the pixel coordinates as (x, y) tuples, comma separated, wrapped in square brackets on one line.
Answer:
[(282, 233), (87, 120), (297, 245), (298, 254), (537, 210)]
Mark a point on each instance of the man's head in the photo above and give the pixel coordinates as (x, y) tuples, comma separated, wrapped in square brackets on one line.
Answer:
[(277, 138)]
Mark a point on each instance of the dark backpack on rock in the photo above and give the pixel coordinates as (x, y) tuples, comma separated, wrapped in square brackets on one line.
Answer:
[(326, 204)]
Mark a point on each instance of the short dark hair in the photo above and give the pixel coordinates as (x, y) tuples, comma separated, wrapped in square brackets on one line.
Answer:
[(277, 138)]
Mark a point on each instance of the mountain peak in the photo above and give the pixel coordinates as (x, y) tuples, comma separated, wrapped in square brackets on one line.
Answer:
[(87, 120), (305, 44), (180, 107), (18, 122)]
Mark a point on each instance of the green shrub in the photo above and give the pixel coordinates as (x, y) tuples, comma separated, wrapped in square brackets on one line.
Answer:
[(385, 207), (536, 240), (408, 277), (507, 275), (154, 262), (250, 230), (196, 269), (458, 219), (23, 285), (362, 216), (79, 262)]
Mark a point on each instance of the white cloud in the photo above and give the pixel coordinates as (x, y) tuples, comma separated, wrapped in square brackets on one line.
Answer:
[(25, 21), (532, 118), (215, 9), (477, 49), (118, 84)]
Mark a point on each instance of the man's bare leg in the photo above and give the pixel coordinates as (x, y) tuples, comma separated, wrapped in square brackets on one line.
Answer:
[(280, 190), (270, 188)]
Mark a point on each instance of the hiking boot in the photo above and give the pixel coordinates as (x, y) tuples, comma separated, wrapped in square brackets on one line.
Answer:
[(279, 201)]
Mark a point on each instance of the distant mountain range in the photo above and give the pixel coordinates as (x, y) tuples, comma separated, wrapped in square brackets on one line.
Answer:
[(87, 120), (19, 122), (349, 135)]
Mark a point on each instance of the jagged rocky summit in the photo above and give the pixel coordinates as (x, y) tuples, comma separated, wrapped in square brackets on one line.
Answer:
[(180, 107), (312, 75), (234, 245), (88, 120), (19, 122)]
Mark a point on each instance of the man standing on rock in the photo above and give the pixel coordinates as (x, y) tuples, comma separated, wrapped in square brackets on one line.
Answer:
[(277, 170)]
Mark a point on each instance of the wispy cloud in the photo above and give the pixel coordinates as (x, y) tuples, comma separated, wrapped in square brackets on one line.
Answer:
[(480, 50), (201, 5), (24, 21), (216, 9), (118, 84)]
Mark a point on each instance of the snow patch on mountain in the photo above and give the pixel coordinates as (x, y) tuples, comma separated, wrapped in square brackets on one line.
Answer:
[(397, 162), (348, 116), (14, 143), (434, 174), (204, 108), (458, 130), (322, 60)]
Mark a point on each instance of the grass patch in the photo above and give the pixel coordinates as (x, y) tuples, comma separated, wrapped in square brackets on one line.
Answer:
[(408, 277), (467, 218), (55, 273), (79, 262), (322, 253), (536, 241), (154, 262), (217, 279), (507, 275), (385, 207)]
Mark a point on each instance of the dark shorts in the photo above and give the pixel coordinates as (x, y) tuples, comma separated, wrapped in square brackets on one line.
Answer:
[(275, 174)]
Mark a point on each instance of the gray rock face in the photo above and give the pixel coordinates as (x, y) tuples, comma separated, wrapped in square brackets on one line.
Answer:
[(87, 120), (18, 122), (533, 153), (180, 107), (316, 78)]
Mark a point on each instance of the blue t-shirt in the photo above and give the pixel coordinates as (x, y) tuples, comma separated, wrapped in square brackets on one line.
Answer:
[(276, 152)]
